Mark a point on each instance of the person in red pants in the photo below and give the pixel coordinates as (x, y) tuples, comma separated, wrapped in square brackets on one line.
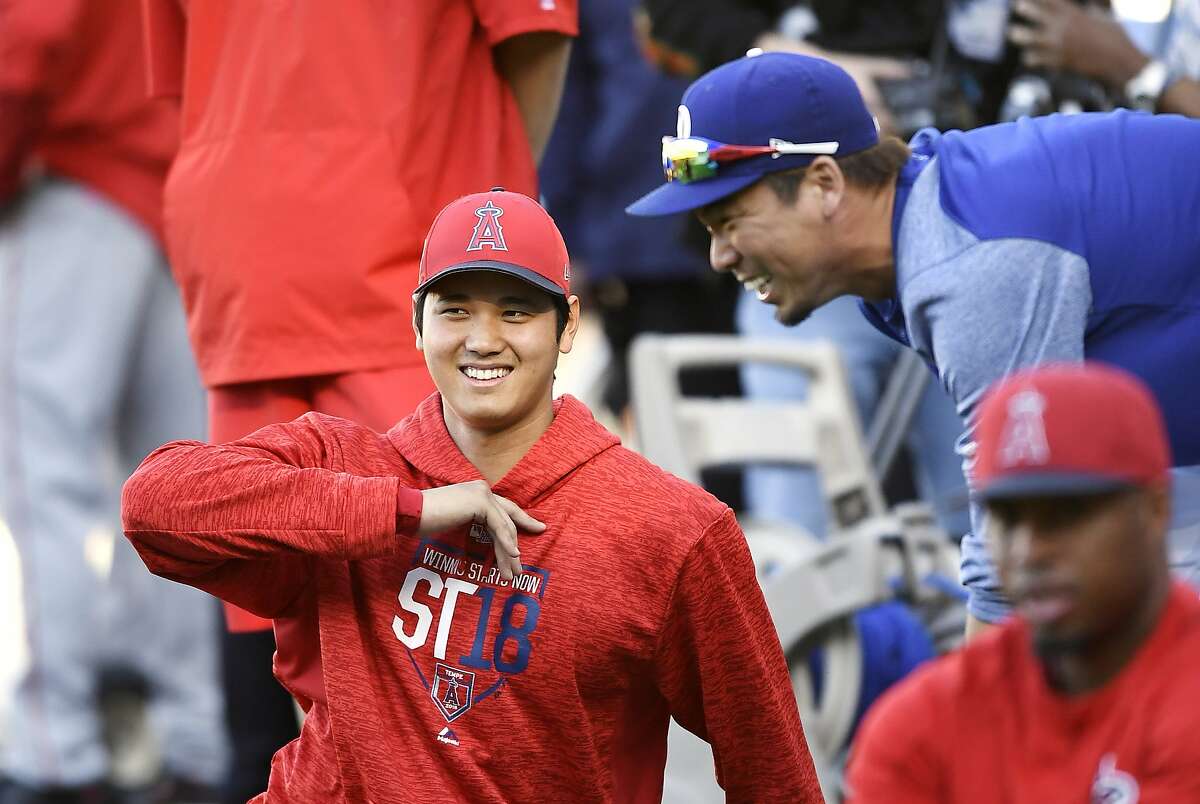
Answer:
[(319, 140)]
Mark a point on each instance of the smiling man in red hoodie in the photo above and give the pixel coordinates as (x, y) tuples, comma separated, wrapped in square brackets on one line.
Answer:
[(454, 667)]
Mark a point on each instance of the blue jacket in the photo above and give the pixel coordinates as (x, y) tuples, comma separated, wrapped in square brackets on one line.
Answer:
[(1112, 197)]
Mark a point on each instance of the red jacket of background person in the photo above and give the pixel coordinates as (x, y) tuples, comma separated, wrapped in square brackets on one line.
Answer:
[(73, 98), (319, 141), (983, 725)]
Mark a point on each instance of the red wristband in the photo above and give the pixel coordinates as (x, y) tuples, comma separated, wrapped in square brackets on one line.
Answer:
[(408, 509)]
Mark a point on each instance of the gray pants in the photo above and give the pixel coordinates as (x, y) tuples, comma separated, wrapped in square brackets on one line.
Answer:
[(95, 371)]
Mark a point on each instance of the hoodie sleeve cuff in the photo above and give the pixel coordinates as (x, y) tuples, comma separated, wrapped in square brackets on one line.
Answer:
[(409, 503)]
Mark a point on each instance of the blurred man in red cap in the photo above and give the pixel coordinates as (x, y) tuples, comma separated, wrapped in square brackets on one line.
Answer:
[(1092, 687), (455, 667)]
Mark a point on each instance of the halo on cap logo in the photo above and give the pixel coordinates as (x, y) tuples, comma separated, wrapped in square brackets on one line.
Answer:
[(1024, 439), (488, 231)]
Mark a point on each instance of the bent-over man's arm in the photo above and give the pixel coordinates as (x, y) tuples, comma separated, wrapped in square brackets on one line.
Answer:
[(999, 306)]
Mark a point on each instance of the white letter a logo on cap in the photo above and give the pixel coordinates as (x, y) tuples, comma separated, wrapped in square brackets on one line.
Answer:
[(1024, 440), (488, 231)]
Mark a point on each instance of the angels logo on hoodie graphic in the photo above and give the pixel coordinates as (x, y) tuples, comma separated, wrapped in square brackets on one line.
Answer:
[(452, 690), (477, 626)]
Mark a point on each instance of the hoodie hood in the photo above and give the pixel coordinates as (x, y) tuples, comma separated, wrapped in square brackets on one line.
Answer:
[(573, 438)]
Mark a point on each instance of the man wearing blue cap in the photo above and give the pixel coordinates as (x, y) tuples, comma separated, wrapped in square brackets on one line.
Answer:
[(1048, 239)]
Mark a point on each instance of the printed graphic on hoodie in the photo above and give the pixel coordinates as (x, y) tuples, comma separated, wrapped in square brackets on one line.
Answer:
[(466, 630)]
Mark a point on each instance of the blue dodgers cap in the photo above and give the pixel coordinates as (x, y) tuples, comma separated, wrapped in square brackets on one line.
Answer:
[(756, 99)]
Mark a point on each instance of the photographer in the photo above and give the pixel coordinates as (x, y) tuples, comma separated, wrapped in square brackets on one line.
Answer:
[(1089, 41)]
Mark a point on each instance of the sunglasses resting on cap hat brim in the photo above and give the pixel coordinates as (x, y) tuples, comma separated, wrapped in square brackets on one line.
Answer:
[(674, 197)]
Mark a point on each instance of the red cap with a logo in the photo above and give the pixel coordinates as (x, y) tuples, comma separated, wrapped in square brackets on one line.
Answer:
[(1069, 429), (499, 231)]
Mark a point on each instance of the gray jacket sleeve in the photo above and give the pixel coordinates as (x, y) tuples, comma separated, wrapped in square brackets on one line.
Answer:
[(991, 308)]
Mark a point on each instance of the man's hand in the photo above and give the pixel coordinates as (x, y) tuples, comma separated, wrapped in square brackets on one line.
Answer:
[(473, 502), (1064, 36)]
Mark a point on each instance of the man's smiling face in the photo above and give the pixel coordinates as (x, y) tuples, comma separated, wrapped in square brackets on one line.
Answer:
[(780, 250), (490, 343)]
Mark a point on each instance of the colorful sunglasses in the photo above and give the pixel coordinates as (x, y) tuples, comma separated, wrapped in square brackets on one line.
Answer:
[(691, 159)]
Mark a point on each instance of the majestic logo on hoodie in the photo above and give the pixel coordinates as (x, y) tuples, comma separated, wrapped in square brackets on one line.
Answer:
[(477, 626), (1112, 785)]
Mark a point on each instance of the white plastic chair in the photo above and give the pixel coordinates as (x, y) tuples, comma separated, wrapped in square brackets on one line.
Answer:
[(686, 435), (812, 587)]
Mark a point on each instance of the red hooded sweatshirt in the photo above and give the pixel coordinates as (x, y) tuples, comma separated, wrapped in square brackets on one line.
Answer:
[(443, 683)]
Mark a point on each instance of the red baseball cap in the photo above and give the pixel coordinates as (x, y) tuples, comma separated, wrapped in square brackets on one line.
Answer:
[(1069, 429), (499, 231)]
